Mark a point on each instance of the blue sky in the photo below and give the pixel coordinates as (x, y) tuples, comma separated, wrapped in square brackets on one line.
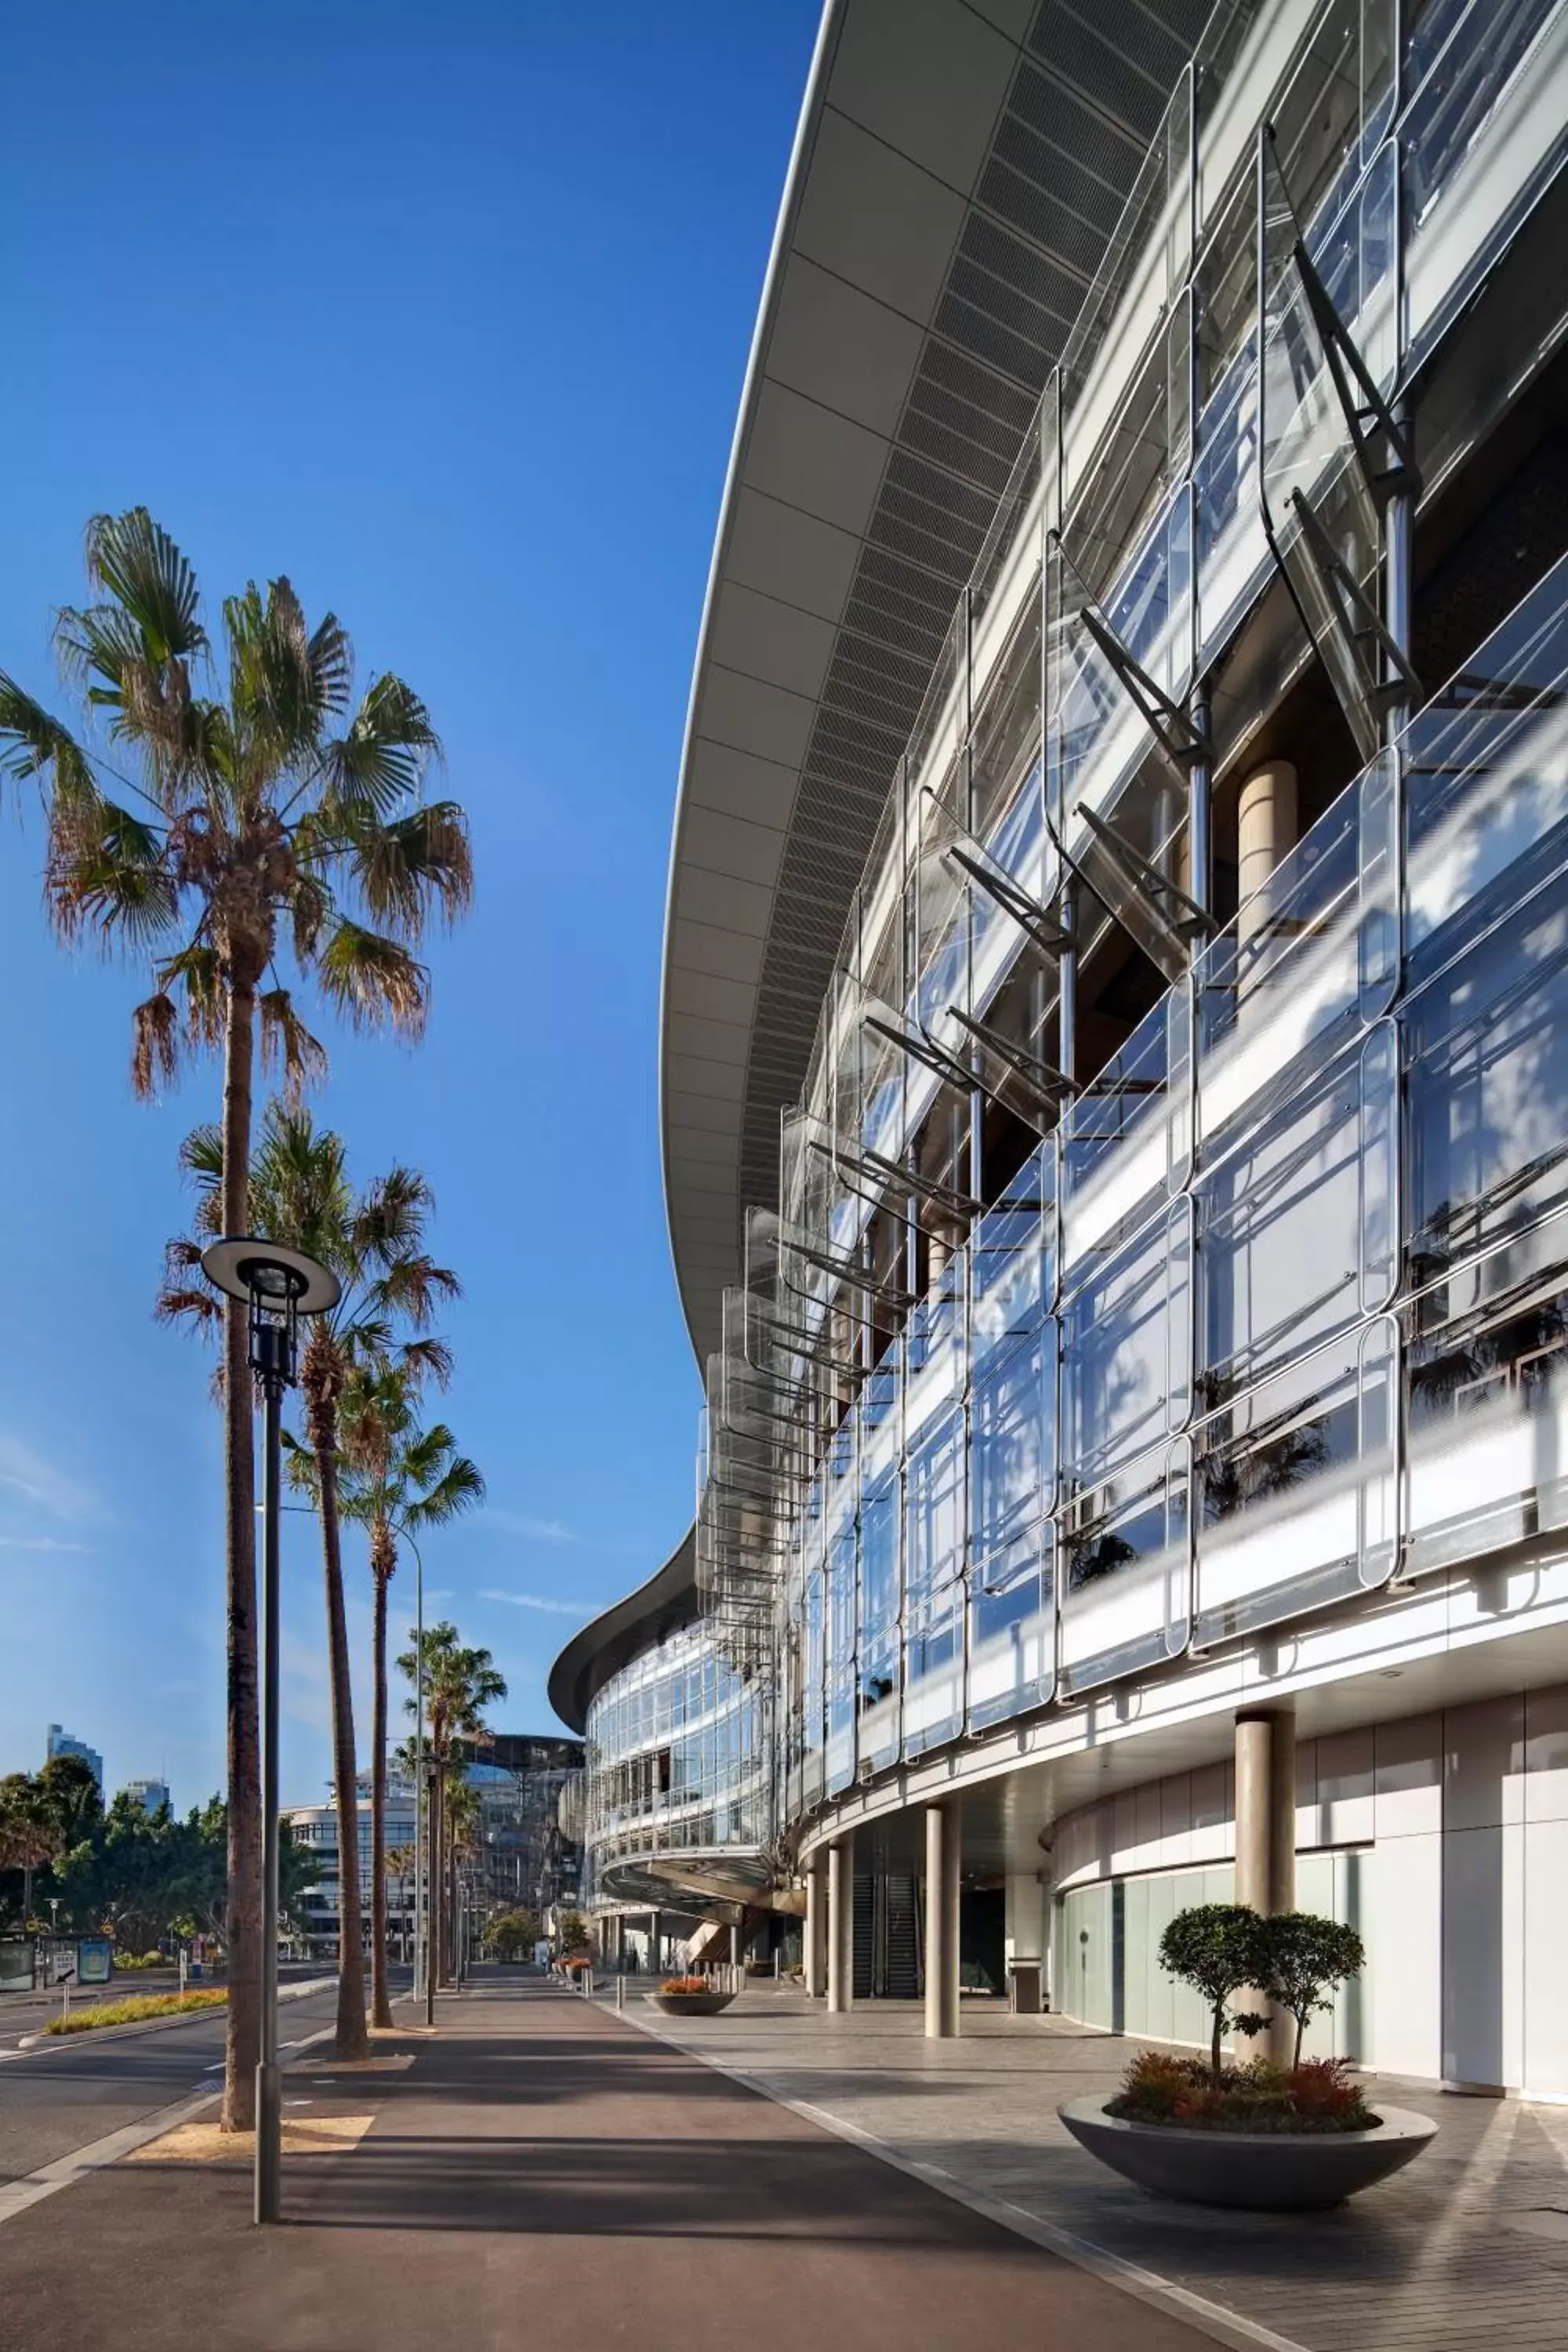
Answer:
[(444, 313)]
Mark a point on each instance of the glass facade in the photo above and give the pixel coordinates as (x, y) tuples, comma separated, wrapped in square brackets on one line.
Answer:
[(677, 1765), (1034, 1384)]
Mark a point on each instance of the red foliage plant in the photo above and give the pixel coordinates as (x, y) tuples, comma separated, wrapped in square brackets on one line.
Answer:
[(1315, 2097)]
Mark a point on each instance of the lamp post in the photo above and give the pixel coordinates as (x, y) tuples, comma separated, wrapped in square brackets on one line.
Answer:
[(277, 1286)]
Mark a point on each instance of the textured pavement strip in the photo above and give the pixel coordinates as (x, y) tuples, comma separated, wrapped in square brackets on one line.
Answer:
[(1428, 2263)]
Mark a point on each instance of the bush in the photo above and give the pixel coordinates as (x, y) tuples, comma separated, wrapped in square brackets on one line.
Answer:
[(140, 2005), (123, 1961), (1317, 2096), (685, 1985)]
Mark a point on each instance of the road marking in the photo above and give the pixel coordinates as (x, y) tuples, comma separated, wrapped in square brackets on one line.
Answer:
[(1215, 2319), (34, 2187)]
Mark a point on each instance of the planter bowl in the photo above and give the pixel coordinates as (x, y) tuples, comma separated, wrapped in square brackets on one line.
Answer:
[(691, 2004), (1268, 2172)]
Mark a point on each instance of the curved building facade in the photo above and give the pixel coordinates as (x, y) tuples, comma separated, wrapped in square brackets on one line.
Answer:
[(1114, 990)]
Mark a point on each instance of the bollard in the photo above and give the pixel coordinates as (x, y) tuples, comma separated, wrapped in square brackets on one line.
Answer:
[(588, 1984), (620, 1992)]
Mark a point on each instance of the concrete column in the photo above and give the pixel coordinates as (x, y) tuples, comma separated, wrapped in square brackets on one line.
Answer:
[(1265, 829), (655, 1939), (944, 1842), (737, 1944), (815, 1940), (1266, 1830), (841, 1923)]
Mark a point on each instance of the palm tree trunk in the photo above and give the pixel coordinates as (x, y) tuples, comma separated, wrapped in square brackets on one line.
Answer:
[(351, 2040), (381, 1998), (242, 2037)]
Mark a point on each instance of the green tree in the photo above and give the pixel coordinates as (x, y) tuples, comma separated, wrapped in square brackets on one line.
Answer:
[(373, 1241), (30, 1834), (1217, 1949), (571, 1934), (216, 832), (70, 1795), (511, 1935), (460, 1684), (1304, 1957), (398, 1481)]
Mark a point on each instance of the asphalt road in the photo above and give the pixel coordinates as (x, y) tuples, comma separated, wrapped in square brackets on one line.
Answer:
[(23, 2013), (69, 2093)]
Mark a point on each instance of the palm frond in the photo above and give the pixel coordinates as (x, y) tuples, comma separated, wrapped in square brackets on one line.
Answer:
[(414, 864), (310, 909), (34, 744), (459, 1489), (184, 1304), (393, 1212), (285, 681), (155, 1045), (378, 760), (198, 970), (286, 1039), (200, 1157), (105, 868), (135, 562), (373, 980), (428, 1359)]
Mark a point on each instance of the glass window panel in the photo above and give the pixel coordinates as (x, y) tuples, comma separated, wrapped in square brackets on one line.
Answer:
[(933, 1669), (1115, 1362), (1488, 1079), (1009, 1453), (879, 1565), (1281, 1219), (1117, 1147), (1126, 1570), (1379, 1168), (1008, 1260), (933, 1512), (1012, 1630), (1289, 1498), (1488, 1446)]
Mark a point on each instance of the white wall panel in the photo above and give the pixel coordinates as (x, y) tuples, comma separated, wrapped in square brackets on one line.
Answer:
[(1404, 1942), (1545, 1939), (1483, 1749), (1407, 1777), (1546, 1755)]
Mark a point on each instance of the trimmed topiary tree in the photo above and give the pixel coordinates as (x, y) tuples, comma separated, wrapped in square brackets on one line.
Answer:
[(1303, 1958), (1218, 1949)]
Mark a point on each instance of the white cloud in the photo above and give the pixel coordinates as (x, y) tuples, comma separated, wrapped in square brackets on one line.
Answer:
[(533, 1600), (535, 1531), (27, 1477), (39, 1543)]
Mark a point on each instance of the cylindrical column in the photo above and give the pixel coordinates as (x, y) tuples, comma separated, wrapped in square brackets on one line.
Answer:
[(655, 1939), (815, 1953), (1265, 829), (1265, 1828), (738, 1943), (841, 1923), (944, 1842)]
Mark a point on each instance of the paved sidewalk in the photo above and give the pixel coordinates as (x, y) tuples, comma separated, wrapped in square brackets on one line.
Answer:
[(540, 2172), (1466, 2249)]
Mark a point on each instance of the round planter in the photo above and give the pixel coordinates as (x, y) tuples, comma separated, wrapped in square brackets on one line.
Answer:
[(1269, 2172), (691, 2004)]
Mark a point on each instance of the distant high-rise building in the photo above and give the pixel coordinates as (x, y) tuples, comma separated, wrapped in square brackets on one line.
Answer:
[(66, 1743), (148, 1794)]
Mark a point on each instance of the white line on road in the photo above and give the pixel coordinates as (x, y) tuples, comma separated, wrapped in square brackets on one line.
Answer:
[(34, 2187)]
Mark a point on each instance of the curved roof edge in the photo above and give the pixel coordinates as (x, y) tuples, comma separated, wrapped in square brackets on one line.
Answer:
[(668, 1601), (756, 361)]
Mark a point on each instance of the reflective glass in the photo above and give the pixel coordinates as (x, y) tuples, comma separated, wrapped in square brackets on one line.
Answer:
[(934, 1600), (1124, 1376), (1126, 1569)]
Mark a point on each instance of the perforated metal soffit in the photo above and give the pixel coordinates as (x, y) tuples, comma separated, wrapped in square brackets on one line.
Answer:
[(1090, 85)]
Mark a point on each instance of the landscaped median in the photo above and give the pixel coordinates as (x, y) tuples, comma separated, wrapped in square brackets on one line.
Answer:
[(138, 2006)]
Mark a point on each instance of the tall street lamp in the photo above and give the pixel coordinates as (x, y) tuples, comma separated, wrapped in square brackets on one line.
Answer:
[(277, 1286)]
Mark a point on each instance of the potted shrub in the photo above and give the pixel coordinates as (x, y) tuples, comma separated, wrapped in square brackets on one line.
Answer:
[(1253, 2134), (690, 1997)]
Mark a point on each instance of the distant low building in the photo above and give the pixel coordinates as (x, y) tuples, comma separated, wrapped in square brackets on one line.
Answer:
[(62, 1742), (149, 1794), (316, 1828)]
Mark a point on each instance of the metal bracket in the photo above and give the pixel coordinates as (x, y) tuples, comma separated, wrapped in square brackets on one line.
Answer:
[(1369, 417), (1040, 929), (922, 1048), (888, 1172), (1179, 736), (1359, 624), (1176, 922), (1049, 1086)]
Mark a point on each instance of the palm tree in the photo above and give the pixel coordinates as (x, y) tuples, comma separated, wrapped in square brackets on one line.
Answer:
[(374, 1242), (400, 1862), (226, 825), (30, 1832), (460, 1684), (398, 1480)]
